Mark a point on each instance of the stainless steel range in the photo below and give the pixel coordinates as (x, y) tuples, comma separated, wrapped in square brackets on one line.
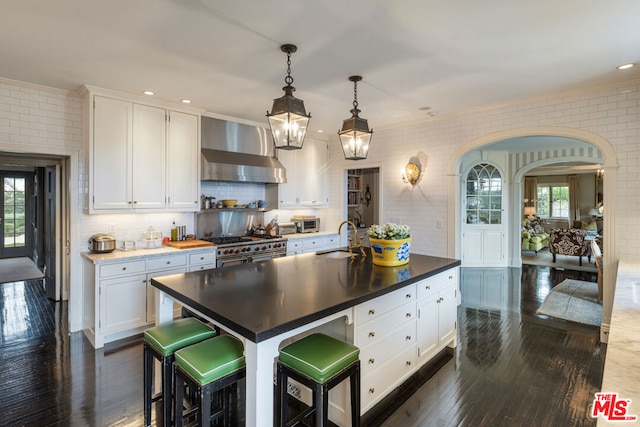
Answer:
[(233, 250)]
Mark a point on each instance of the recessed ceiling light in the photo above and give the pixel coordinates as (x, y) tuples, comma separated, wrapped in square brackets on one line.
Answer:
[(149, 92), (625, 66), (186, 101)]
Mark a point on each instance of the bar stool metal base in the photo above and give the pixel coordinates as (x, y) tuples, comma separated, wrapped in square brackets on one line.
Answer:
[(226, 386), (320, 395)]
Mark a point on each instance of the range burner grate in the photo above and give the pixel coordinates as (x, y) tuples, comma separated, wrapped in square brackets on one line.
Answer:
[(227, 240)]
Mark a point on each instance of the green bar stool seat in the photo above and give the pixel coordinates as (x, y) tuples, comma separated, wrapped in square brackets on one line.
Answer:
[(161, 342), (211, 368), (319, 362)]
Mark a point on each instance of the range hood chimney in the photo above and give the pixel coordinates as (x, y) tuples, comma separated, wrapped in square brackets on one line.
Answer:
[(237, 152)]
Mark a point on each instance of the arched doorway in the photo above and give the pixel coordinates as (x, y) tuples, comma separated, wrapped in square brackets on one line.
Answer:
[(609, 197)]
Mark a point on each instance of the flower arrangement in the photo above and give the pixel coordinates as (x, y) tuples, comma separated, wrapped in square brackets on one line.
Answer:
[(389, 231)]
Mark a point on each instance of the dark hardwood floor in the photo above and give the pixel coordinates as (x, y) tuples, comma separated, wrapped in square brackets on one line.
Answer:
[(511, 367)]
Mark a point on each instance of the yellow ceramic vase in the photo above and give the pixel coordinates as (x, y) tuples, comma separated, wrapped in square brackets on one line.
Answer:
[(390, 253)]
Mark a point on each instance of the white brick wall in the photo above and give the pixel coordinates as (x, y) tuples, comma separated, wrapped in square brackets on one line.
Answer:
[(611, 112)]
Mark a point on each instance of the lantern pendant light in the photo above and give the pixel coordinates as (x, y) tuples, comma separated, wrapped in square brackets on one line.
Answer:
[(355, 135), (288, 119)]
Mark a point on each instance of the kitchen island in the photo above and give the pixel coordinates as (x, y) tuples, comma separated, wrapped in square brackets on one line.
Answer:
[(266, 303)]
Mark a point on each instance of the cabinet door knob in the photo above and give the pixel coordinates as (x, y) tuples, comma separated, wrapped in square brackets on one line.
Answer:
[(124, 268), (372, 312), (408, 296), (408, 363), (372, 334), (201, 258), (427, 287), (168, 262), (372, 361), (372, 390), (450, 277), (408, 337), (408, 315)]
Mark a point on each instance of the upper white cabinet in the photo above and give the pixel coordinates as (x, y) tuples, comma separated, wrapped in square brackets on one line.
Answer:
[(307, 176), (141, 157), (183, 182)]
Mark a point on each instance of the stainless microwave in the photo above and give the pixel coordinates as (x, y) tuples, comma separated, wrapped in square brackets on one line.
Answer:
[(307, 225)]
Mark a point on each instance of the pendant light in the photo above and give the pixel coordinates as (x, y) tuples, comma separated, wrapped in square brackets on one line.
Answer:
[(288, 119), (355, 135)]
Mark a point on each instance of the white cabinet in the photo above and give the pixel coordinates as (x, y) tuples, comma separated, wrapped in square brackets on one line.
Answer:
[(437, 313), (385, 332), (141, 157), (483, 247), (307, 176), (119, 299), (183, 182), (313, 243)]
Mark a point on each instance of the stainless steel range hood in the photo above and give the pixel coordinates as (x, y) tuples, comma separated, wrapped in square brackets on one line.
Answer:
[(238, 153)]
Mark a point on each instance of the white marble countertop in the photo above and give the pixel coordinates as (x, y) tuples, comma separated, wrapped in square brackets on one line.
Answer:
[(119, 254), (622, 364)]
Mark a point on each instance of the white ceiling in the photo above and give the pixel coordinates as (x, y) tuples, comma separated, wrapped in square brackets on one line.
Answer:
[(225, 55)]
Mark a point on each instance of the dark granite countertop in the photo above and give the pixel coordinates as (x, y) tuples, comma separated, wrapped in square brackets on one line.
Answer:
[(264, 299)]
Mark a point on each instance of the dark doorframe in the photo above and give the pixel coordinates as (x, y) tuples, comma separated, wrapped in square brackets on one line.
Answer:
[(16, 214), (51, 232)]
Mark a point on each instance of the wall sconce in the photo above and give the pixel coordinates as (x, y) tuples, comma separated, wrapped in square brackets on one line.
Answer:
[(411, 173)]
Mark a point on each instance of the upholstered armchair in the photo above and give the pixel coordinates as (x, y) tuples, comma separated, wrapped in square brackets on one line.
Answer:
[(568, 242), (534, 237)]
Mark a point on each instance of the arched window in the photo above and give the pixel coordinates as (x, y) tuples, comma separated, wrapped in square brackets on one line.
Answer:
[(484, 195)]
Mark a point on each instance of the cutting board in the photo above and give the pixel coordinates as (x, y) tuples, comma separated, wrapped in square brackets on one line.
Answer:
[(189, 244)]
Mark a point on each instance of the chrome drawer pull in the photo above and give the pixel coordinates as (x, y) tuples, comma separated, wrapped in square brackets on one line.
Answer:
[(372, 361), (372, 334), (372, 312)]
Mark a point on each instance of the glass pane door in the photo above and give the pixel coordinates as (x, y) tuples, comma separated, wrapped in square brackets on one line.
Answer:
[(15, 219)]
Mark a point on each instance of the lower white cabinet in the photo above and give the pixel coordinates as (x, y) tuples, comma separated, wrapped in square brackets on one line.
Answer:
[(119, 300), (312, 243), (437, 313), (399, 332)]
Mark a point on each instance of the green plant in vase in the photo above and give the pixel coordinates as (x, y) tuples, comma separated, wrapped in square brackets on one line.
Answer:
[(390, 244)]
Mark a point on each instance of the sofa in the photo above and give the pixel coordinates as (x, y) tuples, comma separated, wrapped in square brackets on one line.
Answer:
[(568, 242), (534, 236)]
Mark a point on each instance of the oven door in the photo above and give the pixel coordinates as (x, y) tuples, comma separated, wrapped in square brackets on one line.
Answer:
[(226, 262)]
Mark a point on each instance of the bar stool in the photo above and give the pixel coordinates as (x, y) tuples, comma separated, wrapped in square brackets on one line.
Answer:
[(319, 362), (161, 342), (209, 367)]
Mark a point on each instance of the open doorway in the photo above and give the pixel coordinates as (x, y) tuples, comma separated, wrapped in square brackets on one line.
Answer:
[(35, 215), (362, 200)]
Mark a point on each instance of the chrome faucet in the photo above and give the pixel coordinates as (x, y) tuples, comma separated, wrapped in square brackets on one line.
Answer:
[(351, 244)]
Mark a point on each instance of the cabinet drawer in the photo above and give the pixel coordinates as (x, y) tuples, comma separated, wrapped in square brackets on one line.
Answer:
[(376, 329), (313, 244), (330, 242), (167, 262), (378, 306), (202, 258), (202, 267), (437, 282), (391, 374), (378, 353), (122, 268)]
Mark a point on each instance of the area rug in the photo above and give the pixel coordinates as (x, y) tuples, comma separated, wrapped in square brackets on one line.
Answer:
[(573, 300), (568, 262), (18, 269)]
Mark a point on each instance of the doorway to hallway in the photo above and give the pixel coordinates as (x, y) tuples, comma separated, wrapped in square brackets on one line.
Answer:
[(16, 214)]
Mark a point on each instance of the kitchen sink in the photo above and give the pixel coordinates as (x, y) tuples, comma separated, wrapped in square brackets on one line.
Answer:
[(336, 254)]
